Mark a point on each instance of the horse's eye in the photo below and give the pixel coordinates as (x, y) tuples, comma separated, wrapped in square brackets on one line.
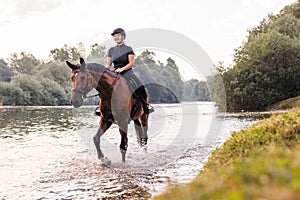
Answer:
[(82, 78)]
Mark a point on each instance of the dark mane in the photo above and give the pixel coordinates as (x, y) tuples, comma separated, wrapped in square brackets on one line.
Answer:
[(95, 67), (99, 68)]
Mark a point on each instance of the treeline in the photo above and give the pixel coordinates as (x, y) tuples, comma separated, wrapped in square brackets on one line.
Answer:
[(43, 84), (267, 65), (164, 81), (28, 81)]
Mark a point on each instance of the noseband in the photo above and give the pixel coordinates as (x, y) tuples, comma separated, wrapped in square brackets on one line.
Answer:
[(84, 91)]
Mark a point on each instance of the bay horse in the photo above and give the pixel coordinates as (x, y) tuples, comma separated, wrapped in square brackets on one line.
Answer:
[(116, 103)]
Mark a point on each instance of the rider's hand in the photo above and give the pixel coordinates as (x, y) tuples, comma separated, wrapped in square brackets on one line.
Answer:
[(119, 70)]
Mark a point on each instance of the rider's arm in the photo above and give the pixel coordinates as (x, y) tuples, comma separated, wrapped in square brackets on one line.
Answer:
[(109, 62)]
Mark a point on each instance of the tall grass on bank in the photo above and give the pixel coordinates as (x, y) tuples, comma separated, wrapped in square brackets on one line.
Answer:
[(261, 162)]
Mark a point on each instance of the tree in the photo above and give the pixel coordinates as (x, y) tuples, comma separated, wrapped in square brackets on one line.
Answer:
[(217, 86), (189, 90), (152, 72), (67, 53), (267, 65), (195, 90), (61, 54), (5, 72), (171, 63), (32, 90), (80, 51), (23, 63), (10, 95), (57, 72), (146, 57), (97, 54), (202, 92), (263, 71), (53, 93)]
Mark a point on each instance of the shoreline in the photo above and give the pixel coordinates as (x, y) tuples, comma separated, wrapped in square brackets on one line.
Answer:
[(243, 167)]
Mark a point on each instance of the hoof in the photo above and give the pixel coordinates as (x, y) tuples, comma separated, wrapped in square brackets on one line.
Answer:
[(105, 161), (123, 152), (143, 142)]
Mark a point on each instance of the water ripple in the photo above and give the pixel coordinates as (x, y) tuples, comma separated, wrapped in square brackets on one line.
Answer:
[(47, 153)]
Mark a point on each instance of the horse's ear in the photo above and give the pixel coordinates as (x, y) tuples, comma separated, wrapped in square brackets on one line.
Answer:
[(82, 62), (72, 66)]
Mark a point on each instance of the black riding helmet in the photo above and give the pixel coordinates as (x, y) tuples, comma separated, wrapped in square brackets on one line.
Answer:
[(119, 30)]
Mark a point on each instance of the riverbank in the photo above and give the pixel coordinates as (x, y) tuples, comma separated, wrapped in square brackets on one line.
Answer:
[(261, 162), (286, 104)]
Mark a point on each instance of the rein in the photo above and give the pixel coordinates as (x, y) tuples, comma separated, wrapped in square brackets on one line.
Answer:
[(113, 83)]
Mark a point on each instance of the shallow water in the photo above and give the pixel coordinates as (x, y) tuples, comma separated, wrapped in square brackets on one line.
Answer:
[(48, 152)]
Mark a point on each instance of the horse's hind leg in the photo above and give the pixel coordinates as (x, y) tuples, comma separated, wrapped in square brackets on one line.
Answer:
[(124, 140), (144, 119), (103, 126), (142, 129)]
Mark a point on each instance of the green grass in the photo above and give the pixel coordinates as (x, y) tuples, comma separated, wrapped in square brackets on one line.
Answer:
[(261, 162), (286, 104)]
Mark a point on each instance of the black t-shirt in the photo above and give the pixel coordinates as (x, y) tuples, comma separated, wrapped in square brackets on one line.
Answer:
[(119, 55)]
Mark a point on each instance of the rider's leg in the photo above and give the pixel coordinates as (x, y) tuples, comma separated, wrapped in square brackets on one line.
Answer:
[(141, 92)]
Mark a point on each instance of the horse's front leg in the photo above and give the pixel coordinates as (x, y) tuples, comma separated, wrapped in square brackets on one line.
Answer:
[(103, 126), (124, 140), (138, 130)]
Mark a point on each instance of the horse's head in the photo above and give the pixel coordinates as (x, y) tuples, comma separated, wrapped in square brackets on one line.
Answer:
[(82, 82)]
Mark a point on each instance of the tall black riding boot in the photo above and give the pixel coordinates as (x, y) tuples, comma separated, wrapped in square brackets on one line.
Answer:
[(145, 108), (142, 93)]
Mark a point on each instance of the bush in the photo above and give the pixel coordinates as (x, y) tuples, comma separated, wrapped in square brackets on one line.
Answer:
[(11, 95), (30, 87), (53, 93)]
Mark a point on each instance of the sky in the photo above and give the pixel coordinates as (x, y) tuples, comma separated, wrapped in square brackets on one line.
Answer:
[(38, 26)]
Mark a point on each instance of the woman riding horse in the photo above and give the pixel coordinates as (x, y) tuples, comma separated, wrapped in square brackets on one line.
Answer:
[(122, 97), (116, 103), (122, 56)]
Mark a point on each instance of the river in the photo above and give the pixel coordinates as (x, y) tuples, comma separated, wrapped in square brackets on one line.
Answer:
[(48, 152)]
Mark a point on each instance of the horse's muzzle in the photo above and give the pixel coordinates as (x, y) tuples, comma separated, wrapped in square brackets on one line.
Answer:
[(76, 103)]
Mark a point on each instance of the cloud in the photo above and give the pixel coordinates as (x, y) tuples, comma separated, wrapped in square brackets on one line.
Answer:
[(20, 9)]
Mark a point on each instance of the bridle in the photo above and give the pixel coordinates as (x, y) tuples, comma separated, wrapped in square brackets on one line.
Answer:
[(84, 91)]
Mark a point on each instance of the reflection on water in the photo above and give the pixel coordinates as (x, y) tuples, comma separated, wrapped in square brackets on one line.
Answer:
[(47, 152), (33, 140), (16, 122)]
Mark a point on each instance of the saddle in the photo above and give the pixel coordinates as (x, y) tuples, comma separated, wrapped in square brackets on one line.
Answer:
[(133, 86)]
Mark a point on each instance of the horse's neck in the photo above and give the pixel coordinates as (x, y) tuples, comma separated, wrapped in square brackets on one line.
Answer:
[(103, 80)]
